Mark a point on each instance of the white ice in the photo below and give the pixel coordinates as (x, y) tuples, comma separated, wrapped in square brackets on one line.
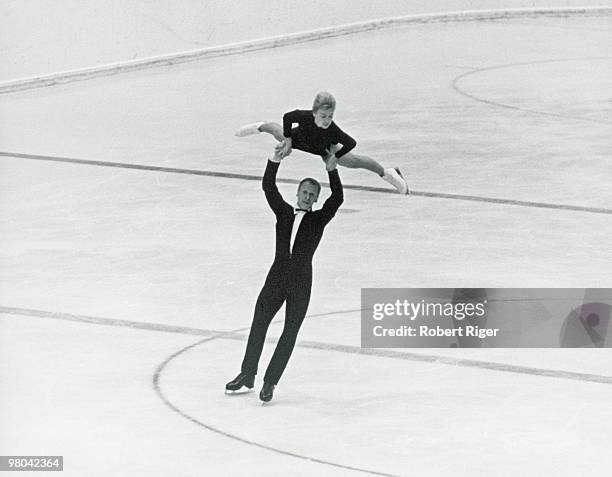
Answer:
[(83, 247)]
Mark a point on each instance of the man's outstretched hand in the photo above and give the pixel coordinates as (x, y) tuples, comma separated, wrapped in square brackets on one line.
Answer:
[(284, 148), (331, 161)]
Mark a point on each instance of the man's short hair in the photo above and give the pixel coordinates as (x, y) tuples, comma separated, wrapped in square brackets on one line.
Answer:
[(310, 180)]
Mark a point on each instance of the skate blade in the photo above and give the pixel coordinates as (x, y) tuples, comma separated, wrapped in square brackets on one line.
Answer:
[(238, 392)]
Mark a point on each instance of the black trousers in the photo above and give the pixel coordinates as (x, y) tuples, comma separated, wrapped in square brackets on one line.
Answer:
[(271, 298)]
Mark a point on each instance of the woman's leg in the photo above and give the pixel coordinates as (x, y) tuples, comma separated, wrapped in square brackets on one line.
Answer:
[(392, 175), (356, 161), (273, 128)]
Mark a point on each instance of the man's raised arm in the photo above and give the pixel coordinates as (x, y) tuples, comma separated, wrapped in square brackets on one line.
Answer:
[(273, 196), (333, 202)]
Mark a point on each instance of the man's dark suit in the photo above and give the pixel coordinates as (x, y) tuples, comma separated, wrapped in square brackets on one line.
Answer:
[(290, 277)]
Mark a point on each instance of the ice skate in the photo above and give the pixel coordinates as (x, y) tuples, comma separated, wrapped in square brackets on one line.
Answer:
[(267, 391), (240, 381), (394, 177), (249, 129)]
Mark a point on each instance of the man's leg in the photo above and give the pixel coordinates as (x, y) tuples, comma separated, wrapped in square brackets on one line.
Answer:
[(270, 300), (296, 308)]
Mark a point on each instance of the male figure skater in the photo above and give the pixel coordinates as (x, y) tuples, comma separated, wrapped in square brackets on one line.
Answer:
[(298, 232)]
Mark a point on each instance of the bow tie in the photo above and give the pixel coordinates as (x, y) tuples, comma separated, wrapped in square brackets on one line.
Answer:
[(297, 209)]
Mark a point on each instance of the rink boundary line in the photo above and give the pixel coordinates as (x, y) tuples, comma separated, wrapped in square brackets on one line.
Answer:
[(348, 349), (139, 325), (250, 177), (83, 74)]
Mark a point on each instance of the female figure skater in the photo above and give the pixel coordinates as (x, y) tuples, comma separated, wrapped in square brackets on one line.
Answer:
[(316, 133)]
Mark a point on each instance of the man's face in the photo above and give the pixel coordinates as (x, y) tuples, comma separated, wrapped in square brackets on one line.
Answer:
[(307, 195), (323, 117)]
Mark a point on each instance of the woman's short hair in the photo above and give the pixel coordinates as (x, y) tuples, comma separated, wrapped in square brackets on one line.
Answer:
[(323, 100)]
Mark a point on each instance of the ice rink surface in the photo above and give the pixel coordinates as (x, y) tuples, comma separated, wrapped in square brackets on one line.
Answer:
[(126, 293)]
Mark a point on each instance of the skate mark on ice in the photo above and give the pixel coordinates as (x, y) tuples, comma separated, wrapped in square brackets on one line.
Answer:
[(158, 389), (462, 92), (237, 335), (250, 177)]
